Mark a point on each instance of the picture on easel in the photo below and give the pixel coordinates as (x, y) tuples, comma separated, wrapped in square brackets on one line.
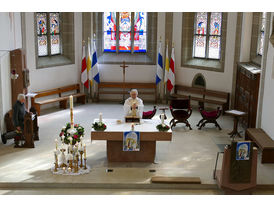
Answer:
[(243, 150)]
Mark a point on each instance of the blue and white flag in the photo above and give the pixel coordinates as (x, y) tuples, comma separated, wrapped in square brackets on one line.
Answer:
[(94, 65), (159, 72)]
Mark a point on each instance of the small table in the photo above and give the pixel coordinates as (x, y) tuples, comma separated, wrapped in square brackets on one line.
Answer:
[(149, 135), (236, 114), (163, 111)]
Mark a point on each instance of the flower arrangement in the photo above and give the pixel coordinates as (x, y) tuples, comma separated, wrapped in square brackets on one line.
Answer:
[(162, 127), (99, 126), (75, 133)]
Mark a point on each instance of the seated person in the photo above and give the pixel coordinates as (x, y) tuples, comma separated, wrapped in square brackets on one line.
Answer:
[(19, 112), (134, 106)]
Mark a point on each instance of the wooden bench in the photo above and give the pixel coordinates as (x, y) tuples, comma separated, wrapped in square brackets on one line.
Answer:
[(203, 95), (103, 88), (80, 97), (263, 142)]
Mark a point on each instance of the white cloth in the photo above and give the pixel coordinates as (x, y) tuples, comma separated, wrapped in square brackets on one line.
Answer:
[(139, 103)]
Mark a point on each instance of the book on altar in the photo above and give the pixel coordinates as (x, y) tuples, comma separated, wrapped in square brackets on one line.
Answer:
[(132, 119), (131, 141)]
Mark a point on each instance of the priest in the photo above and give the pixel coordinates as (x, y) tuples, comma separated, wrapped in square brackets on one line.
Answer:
[(134, 106)]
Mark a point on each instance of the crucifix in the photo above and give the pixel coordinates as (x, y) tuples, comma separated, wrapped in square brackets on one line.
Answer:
[(124, 77)]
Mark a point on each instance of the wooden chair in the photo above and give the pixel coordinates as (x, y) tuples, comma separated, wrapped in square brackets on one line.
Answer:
[(149, 114), (180, 110), (209, 117)]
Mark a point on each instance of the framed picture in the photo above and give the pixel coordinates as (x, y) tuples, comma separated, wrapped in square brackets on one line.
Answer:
[(131, 141), (243, 150)]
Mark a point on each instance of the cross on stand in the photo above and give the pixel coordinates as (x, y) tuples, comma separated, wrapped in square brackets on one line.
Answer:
[(124, 77)]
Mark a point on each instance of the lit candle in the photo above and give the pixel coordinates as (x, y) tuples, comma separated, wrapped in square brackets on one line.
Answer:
[(64, 169), (100, 117), (85, 152), (69, 169), (56, 143), (162, 118), (132, 126)]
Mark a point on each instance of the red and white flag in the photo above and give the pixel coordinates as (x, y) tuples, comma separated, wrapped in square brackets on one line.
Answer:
[(171, 73), (84, 72)]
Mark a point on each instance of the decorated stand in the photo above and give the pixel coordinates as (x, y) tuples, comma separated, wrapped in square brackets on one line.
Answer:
[(71, 157)]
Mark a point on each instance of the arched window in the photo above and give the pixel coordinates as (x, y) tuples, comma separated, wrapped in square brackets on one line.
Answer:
[(130, 27), (207, 35), (48, 34)]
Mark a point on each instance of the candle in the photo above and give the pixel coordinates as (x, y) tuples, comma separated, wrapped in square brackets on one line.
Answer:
[(81, 141), (64, 169), (132, 126), (71, 111), (56, 143), (162, 118), (100, 117), (69, 169), (63, 138), (85, 152), (70, 157)]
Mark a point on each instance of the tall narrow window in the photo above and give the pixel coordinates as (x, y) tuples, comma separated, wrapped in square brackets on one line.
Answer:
[(132, 32), (110, 31), (48, 34), (207, 35), (260, 47), (140, 32)]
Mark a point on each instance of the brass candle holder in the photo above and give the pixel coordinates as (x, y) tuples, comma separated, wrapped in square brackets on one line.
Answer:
[(70, 164), (81, 154), (56, 167), (85, 159)]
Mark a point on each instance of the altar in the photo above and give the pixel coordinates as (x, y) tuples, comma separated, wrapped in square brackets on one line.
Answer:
[(149, 135)]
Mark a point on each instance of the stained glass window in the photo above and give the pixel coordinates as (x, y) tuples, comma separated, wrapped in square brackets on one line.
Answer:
[(125, 31), (48, 33), (207, 35), (110, 31), (42, 46), (140, 32), (125, 24), (260, 48)]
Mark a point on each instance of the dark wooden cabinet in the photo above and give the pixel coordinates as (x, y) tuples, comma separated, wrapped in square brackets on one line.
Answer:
[(247, 92), (18, 66)]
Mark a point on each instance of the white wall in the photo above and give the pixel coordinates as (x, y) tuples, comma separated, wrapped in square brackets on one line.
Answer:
[(10, 35), (268, 96), (221, 81), (5, 88), (246, 37), (47, 78)]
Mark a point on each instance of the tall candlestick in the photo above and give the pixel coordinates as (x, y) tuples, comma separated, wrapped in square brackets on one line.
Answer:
[(162, 118), (56, 143), (85, 152), (100, 117), (71, 111)]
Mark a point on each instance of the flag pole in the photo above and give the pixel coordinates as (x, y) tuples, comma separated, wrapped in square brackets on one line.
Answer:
[(165, 83)]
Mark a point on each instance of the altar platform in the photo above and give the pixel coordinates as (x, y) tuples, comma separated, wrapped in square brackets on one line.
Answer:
[(149, 135), (189, 154)]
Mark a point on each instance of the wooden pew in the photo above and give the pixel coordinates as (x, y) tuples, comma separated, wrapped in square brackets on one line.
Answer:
[(263, 141), (151, 88), (81, 98), (203, 95)]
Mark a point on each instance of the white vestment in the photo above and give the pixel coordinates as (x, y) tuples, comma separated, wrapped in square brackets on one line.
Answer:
[(129, 102)]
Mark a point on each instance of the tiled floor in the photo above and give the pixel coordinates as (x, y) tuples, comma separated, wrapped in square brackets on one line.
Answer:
[(190, 153)]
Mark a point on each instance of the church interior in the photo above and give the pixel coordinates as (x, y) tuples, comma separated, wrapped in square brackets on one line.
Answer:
[(136, 103)]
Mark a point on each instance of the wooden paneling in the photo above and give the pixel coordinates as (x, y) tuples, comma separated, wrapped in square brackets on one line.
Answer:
[(246, 94)]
